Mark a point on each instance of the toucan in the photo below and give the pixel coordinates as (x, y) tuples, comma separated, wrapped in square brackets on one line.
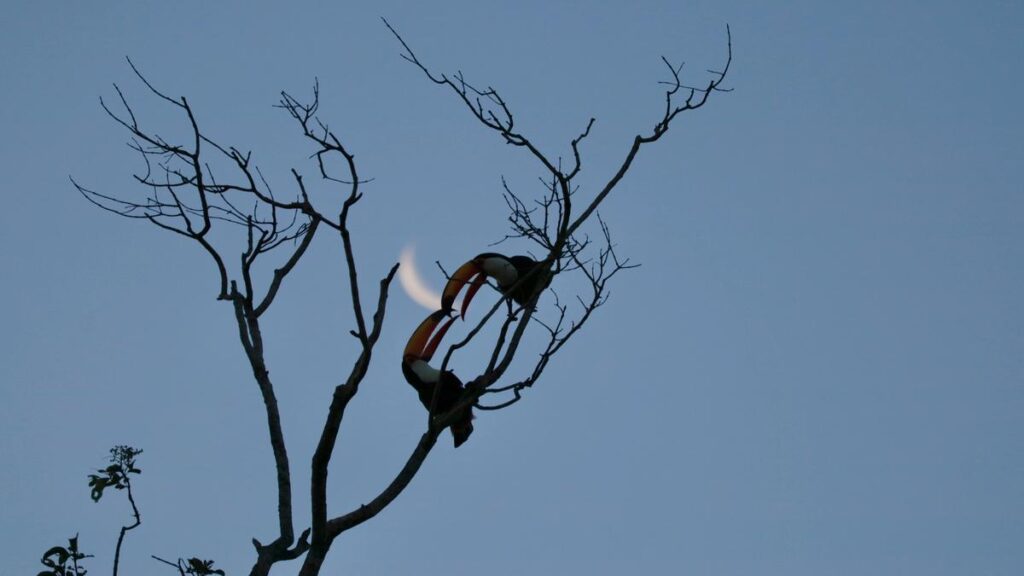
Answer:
[(425, 378), (506, 271)]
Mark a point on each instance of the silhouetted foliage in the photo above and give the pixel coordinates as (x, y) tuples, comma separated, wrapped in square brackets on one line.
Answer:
[(63, 561), (193, 566), (118, 475), (122, 463)]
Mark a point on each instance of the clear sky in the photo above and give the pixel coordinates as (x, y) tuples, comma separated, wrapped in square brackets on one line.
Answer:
[(817, 370)]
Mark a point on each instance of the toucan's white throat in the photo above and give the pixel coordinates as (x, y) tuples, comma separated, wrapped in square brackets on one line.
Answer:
[(503, 272), (425, 372)]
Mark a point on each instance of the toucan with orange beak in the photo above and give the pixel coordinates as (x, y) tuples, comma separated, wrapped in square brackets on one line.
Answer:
[(508, 271), (426, 379)]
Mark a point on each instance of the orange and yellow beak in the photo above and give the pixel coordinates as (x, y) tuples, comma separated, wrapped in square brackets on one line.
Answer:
[(421, 346), (472, 273)]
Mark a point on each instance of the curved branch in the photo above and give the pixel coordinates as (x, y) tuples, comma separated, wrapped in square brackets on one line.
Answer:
[(356, 517), (343, 394), (283, 271), (125, 529), (252, 341)]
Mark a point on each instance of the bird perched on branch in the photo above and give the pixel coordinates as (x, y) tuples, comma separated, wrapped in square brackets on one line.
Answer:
[(510, 272), (429, 381)]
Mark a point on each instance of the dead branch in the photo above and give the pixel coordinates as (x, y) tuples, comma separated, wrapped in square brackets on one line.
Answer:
[(551, 222)]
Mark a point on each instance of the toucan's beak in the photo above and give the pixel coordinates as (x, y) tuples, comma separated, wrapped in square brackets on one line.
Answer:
[(471, 272), (428, 352), (421, 345)]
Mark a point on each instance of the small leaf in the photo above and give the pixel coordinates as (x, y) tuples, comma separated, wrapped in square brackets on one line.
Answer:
[(55, 550), (98, 485)]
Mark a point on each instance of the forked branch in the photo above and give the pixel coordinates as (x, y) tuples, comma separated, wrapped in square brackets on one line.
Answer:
[(551, 220)]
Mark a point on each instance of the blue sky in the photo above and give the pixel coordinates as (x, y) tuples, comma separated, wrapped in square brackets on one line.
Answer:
[(817, 370)]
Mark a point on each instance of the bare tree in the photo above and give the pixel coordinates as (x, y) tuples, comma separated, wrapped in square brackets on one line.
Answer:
[(184, 195)]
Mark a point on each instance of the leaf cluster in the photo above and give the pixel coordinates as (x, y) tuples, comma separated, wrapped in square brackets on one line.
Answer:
[(122, 463), (201, 567), (194, 566), (62, 561)]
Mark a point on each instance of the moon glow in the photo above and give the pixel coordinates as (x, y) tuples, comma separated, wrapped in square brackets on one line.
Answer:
[(413, 284)]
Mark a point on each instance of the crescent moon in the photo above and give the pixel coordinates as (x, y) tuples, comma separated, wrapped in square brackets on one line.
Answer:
[(413, 284)]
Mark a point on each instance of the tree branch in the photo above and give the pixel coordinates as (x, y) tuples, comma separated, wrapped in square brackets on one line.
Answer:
[(322, 534), (565, 250)]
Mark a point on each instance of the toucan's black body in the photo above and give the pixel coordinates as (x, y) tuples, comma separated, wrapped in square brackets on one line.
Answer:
[(425, 379), (509, 272), (447, 396)]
